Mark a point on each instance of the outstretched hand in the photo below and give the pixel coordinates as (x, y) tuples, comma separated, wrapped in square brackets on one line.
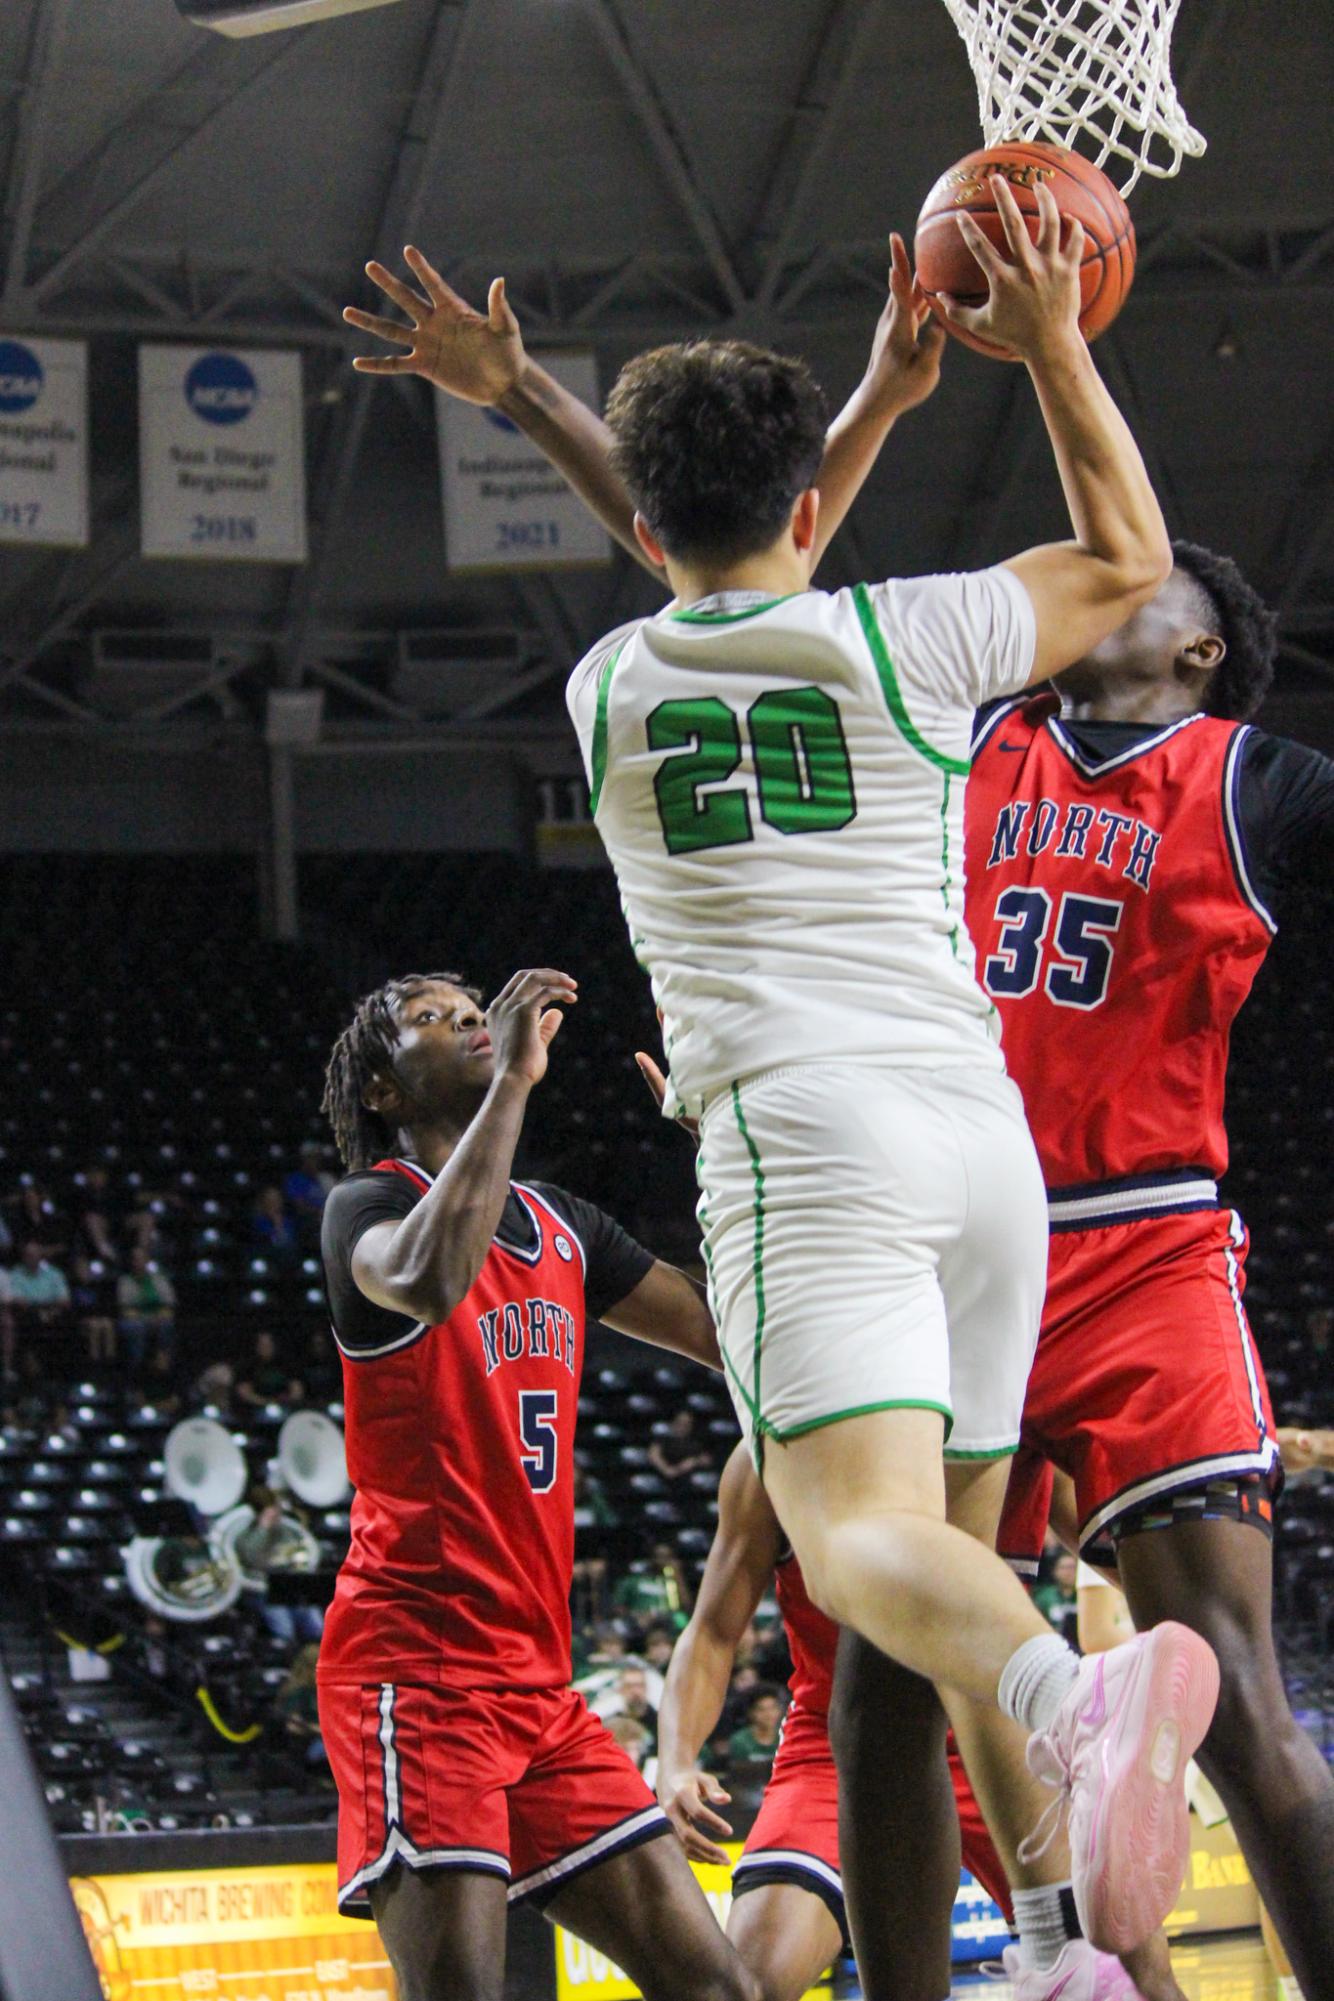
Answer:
[(688, 1800), (657, 1084), (1033, 294), (905, 354), (474, 356), (522, 1024)]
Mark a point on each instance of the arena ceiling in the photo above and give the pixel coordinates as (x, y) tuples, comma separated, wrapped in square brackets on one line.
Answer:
[(639, 170)]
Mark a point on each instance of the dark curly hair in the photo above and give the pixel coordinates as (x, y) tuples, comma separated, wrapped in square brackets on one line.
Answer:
[(715, 440), (365, 1050), (1243, 621)]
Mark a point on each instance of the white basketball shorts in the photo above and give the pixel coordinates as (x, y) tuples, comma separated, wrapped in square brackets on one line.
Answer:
[(876, 1239)]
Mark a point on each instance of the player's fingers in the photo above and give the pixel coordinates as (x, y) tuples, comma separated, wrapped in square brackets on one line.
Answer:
[(539, 981), (700, 1850), (960, 315), (931, 340), (713, 1789), (652, 1076), (385, 364), (1072, 241), (1012, 221), (377, 324), (1049, 220), (433, 284), (982, 247), (900, 270), (703, 1817), (549, 1025), (499, 312), (401, 294)]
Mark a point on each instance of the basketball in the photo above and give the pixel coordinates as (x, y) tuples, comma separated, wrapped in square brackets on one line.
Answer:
[(1083, 191)]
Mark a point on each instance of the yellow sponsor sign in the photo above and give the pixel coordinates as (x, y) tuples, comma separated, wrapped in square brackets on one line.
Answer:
[(266, 1934), (583, 1974)]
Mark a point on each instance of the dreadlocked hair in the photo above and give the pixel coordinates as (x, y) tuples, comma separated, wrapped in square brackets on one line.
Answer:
[(1244, 623), (364, 1051)]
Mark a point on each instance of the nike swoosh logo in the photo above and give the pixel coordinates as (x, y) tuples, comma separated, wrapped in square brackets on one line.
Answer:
[(1018, 748), (1053, 1993), (1095, 1713)]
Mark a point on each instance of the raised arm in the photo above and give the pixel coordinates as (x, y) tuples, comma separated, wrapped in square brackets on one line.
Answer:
[(1084, 589), (424, 1265), (480, 357), (740, 1565)]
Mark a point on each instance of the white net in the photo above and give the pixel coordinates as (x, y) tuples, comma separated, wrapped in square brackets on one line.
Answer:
[(1055, 69)]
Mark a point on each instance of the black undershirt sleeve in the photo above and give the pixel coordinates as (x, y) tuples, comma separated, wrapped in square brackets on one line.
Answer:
[(354, 1204), (616, 1263), (1286, 807)]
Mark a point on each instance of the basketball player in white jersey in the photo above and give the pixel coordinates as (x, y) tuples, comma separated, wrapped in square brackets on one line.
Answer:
[(777, 775)]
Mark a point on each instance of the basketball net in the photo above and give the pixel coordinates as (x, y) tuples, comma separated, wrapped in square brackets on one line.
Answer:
[(1054, 69)]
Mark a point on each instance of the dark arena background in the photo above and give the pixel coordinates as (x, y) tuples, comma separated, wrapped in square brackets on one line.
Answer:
[(282, 661)]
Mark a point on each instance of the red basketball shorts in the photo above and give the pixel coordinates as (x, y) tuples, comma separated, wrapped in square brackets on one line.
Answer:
[(1146, 1381), (795, 1836), (528, 1787)]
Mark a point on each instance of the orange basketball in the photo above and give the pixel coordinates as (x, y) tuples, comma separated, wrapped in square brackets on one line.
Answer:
[(946, 264)]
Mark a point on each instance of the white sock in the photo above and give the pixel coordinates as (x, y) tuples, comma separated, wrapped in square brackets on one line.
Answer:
[(1035, 1679), (1047, 1922)]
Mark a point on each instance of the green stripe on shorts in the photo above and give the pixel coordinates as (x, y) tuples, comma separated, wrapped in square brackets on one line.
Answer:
[(757, 1254)]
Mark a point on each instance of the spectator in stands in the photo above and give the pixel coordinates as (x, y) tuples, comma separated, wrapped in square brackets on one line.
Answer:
[(305, 1190), (297, 1708), (264, 1379), (657, 1591), (39, 1221), (678, 1452), (632, 1699), (146, 1313), (273, 1229), (215, 1390), (92, 1295), (1055, 1595), (659, 1645), (593, 1513), (633, 1739), (261, 1549), (756, 1742), (6, 1240), (95, 1228), (38, 1290)]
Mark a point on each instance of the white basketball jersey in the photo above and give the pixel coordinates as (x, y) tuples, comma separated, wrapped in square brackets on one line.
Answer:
[(779, 784)]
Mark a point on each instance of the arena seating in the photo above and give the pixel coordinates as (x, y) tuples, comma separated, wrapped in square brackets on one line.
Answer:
[(147, 1027)]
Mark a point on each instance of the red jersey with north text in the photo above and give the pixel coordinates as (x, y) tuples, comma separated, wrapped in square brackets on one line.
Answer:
[(1118, 934), (460, 1447)]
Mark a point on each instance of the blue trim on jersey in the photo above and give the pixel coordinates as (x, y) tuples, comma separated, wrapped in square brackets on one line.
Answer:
[(1096, 768), (1232, 827), (1128, 1184), (994, 716)]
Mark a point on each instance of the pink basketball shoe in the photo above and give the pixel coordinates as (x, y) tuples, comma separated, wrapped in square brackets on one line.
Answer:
[(1080, 1974), (1117, 1749)]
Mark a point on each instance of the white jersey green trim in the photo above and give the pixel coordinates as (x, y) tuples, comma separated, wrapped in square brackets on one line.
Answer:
[(889, 681), (600, 730)]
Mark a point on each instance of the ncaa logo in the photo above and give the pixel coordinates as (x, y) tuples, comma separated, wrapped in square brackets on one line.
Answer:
[(563, 1248), (21, 378), (221, 389)]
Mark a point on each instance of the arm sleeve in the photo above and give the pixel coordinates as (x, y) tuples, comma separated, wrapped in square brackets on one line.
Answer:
[(958, 640), (1286, 809), (353, 1206), (615, 1262)]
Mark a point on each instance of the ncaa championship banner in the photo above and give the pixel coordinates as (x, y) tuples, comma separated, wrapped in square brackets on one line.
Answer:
[(505, 508), (222, 454), (44, 442)]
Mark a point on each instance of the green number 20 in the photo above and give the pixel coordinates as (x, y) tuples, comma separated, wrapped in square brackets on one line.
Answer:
[(802, 771)]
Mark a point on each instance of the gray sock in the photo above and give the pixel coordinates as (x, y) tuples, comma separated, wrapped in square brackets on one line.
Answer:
[(1047, 1922), (1035, 1680)]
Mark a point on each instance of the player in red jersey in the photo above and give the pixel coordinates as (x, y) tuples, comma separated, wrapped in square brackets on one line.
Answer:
[(1124, 856), (468, 1771), (787, 1919)]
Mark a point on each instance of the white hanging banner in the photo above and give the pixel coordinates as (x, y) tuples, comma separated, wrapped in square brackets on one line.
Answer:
[(222, 454), (44, 441), (505, 507)]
